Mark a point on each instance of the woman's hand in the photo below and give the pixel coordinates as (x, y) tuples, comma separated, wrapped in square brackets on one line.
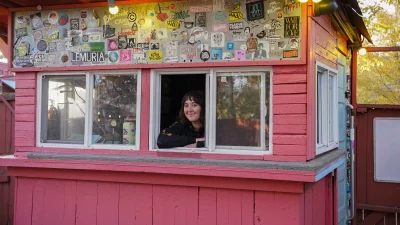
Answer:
[(194, 145), (200, 139)]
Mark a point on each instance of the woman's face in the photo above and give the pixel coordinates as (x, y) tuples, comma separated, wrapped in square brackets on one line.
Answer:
[(192, 111)]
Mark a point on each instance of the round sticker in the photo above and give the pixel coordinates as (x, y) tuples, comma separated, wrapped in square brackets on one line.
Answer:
[(62, 18), (42, 45), (46, 23), (205, 55), (113, 56), (64, 58), (132, 17), (53, 17), (38, 35)]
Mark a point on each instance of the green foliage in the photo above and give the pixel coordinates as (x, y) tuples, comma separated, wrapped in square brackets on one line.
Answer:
[(378, 78)]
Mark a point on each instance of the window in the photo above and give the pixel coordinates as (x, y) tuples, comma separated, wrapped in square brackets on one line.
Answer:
[(93, 109), (326, 109), (237, 108)]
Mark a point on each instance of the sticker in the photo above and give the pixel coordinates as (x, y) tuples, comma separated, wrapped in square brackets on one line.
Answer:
[(36, 20), (96, 46), (291, 27), (228, 56), (188, 25), (240, 55), (188, 53), (84, 13), (216, 53), (173, 24), (74, 23), (273, 7), (144, 46), (200, 19), (74, 33), (51, 47), (122, 42), (42, 45), (94, 37), (255, 10), (155, 56), (144, 36), (279, 15), (197, 34), (108, 31), (23, 61), (113, 57), (239, 37), (46, 23), (294, 43), (20, 32), (132, 17), (64, 57), (171, 48), (261, 34), (20, 19), (155, 46), (230, 45), (205, 55), (200, 8), (217, 39), (218, 5), (220, 27), (180, 15), (290, 53), (131, 42), (247, 30), (171, 59), (236, 13), (251, 44), (112, 44), (84, 57), (220, 16), (94, 30), (262, 50), (236, 26), (153, 34), (162, 16), (85, 38), (62, 18), (125, 56), (134, 27), (151, 13), (37, 35), (162, 33), (53, 17)]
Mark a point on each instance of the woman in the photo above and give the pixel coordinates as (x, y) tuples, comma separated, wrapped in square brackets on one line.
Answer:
[(188, 131)]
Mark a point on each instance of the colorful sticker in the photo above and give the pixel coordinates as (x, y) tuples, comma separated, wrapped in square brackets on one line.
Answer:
[(200, 19), (228, 56), (216, 53), (113, 57), (240, 55), (236, 13), (255, 10), (125, 56), (290, 53), (292, 27), (200, 8), (131, 42), (42, 45), (36, 21), (173, 24), (154, 56), (62, 18), (112, 44), (94, 37), (220, 27), (53, 17), (188, 53), (230, 45)]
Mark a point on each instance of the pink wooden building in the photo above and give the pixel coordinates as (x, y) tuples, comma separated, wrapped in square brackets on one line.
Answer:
[(94, 89)]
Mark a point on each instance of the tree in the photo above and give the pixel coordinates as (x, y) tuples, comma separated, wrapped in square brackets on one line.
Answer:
[(378, 78)]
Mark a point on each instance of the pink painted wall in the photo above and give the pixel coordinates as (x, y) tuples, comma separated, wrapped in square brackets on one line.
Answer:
[(78, 202)]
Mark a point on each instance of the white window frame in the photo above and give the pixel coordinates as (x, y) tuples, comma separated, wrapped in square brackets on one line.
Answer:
[(88, 109), (210, 96), (324, 144)]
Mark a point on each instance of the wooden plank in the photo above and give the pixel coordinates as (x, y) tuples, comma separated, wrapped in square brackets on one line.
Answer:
[(325, 39), (290, 129), (284, 109), (4, 200), (86, 203), (319, 202), (26, 84), (286, 69), (27, 126), (207, 206), (24, 134), (229, 207), (53, 202), (26, 117), (289, 99), (324, 22), (289, 204), (107, 203), (25, 101), (265, 208), (25, 76), (23, 201), (175, 205), (30, 109), (373, 218), (290, 89), (24, 92), (3, 129), (70, 201), (290, 150), (308, 204), (290, 139), (135, 204), (24, 142), (300, 119), (321, 51), (289, 79), (361, 162), (247, 202), (38, 207), (9, 145)]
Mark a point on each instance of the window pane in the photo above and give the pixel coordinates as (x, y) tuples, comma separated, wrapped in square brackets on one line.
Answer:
[(319, 107), (63, 109), (238, 109), (114, 109), (331, 108)]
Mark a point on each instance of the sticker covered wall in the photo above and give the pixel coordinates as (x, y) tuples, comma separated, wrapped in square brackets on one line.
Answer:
[(165, 32)]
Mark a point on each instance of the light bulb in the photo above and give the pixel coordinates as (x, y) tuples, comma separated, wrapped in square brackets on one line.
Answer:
[(113, 10), (303, 1), (362, 51), (316, 1)]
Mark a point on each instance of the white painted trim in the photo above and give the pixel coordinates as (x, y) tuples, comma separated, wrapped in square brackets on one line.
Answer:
[(88, 113)]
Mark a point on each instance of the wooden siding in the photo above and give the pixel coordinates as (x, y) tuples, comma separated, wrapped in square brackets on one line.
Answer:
[(75, 202), (319, 202), (289, 110)]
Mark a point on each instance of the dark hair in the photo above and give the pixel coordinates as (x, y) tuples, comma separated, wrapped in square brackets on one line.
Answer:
[(197, 97)]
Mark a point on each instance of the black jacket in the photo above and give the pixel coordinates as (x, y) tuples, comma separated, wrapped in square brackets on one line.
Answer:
[(179, 135)]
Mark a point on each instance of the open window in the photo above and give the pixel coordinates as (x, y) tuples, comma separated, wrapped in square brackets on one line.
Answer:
[(327, 125), (93, 109), (238, 105)]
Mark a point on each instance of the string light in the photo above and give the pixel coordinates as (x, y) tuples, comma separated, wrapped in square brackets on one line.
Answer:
[(112, 7)]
